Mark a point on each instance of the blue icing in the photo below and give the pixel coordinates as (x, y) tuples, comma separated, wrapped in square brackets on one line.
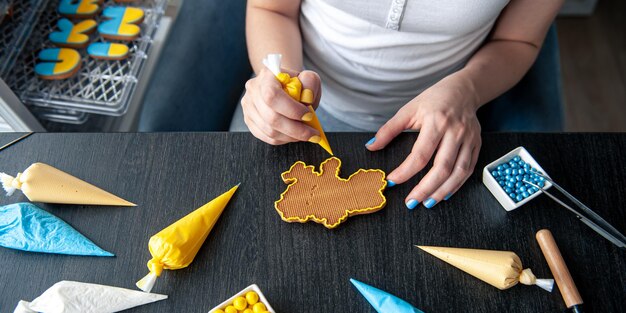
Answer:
[(383, 302), (47, 68), (99, 49), (66, 7), (51, 54), (24, 226), (111, 27), (61, 36)]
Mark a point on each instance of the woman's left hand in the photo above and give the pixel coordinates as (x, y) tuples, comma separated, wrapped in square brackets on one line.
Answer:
[(445, 115)]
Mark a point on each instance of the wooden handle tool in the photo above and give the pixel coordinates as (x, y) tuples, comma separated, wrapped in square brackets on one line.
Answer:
[(559, 270)]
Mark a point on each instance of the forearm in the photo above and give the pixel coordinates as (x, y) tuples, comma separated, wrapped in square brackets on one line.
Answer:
[(271, 31), (495, 68)]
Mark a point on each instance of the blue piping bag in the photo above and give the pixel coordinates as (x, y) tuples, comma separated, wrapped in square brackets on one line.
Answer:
[(24, 226), (382, 301)]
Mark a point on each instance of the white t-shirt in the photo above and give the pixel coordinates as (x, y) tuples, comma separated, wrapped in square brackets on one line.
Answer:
[(375, 56)]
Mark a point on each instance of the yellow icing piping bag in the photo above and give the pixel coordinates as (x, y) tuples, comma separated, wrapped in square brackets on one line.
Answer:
[(43, 183), (176, 246), (501, 269), (293, 87)]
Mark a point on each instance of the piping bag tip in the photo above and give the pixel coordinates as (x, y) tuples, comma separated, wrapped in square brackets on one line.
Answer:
[(147, 282), (7, 183)]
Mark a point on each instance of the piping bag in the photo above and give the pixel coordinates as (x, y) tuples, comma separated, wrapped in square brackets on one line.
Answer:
[(501, 269), (293, 87), (43, 183), (76, 297), (382, 301), (24, 226), (176, 246)]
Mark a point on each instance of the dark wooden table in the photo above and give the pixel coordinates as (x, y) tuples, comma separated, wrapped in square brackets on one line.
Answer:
[(305, 267)]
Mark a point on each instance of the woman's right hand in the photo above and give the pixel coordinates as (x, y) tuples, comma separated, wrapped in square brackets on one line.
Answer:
[(273, 116)]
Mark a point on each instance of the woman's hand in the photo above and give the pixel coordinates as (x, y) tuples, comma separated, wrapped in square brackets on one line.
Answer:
[(445, 115), (273, 116)]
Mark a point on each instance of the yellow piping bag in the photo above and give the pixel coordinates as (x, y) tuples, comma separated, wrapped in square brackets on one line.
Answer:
[(293, 87), (501, 269), (43, 183), (176, 246)]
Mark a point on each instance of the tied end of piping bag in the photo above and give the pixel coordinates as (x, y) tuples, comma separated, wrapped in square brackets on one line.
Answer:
[(7, 183), (272, 62), (528, 278), (545, 284), (147, 282), (23, 307)]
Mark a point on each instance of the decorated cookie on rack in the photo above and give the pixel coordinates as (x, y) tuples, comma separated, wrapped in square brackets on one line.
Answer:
[(79, 8), (57, 63), (72, 35), (326, 198), (107, 51), (122, 23)]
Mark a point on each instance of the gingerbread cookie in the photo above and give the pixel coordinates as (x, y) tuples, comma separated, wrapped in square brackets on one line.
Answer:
[(122, 23), (58, 63), (326, 198), (72, 36), (79, 8), (107, 51)]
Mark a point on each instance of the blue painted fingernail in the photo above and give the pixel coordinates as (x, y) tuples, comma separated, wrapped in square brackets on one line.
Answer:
[(371, 141), (447, 197), (430, 203), (412, 203), (390, 183)]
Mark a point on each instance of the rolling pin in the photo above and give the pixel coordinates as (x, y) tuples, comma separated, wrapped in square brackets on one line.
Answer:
[(561, 274)]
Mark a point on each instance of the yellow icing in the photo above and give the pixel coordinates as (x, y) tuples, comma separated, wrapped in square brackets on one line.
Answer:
[(501, 269), (117, 49), (43, 183), (294, 89), (70, 58), (77, 33), (176, 246), (87, 6), (127, 26)]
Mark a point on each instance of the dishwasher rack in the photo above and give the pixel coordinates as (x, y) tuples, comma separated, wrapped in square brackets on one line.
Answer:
[(100, 86)]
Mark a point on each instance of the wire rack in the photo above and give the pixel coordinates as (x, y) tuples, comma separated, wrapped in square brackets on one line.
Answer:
[(16, 28), (100, 86)]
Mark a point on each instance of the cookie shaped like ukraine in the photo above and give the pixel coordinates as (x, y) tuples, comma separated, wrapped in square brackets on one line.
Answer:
[(57, 63), (326, 198), (122, 23)]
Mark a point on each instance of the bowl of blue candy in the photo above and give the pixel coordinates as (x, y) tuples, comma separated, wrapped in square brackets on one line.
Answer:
[(513, 179)]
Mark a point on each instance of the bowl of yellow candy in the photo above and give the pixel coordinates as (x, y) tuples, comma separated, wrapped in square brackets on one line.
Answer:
[(249, 300)]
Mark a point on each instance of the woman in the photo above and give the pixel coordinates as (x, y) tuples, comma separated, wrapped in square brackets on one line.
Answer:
[(389, 66)]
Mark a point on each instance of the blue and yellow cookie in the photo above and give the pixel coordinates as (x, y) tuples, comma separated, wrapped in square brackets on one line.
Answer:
[(72, 36), (107, 51), (79, 8), (57, 63), (122, 23)]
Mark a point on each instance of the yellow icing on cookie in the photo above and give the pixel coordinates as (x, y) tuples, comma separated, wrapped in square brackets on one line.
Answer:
[(70, 58)]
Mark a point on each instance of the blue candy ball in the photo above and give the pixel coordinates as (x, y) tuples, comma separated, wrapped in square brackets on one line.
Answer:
[(517, 158), (512, 195), (519, 198), (525, 194)]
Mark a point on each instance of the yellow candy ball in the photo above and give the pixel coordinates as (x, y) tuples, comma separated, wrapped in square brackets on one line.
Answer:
[(259, 307), (252, 297), (231, 309), (248, 310), (219, 311), (240, 303)]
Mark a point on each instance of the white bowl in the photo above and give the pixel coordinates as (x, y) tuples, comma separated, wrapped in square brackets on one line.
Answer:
[(242, 293), (497, 190)]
